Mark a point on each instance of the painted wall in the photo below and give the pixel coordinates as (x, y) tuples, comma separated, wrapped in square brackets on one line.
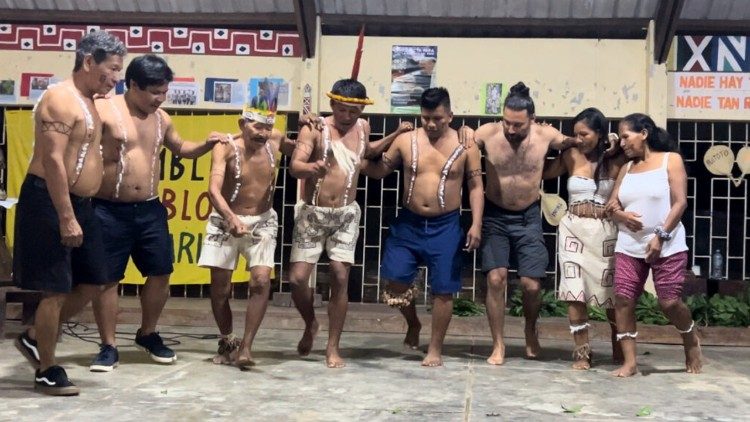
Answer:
[(565, 75)]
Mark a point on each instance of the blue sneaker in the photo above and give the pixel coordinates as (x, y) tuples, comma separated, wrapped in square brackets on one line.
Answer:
[(54, 381), (106, 360), (28, 348), (153, 344)]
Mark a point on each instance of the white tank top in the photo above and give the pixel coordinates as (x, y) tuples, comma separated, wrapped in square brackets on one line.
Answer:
[(584, 189), (647, 194)]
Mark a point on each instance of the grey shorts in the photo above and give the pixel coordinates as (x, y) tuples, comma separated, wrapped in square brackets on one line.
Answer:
[(514, 237)]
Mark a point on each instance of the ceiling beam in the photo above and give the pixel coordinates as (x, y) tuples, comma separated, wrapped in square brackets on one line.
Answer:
[(277, 21), (305, 14), (712, 27), (358, 20), (665, 26), (431, 26)]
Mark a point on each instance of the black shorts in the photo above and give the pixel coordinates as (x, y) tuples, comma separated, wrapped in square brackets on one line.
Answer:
[(40, 261), (520, 232), (137, 229)]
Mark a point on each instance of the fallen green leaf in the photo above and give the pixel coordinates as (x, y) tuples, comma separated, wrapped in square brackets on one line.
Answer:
[(572, 409), (644, 411), (164, 391), (396, 411)]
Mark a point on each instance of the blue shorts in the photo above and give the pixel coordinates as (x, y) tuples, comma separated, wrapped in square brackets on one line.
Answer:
[(137, 229), (433, 241), (514, 237), (40, 261)]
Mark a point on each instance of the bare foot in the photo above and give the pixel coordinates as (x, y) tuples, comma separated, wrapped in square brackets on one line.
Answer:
[(333, 359), (582, 364), (412, 336), (243, 358), (693, 353), (227, 348), (305, 344), (432, 359), (498, 355), (222, 359), (532, 343), (626, 370)]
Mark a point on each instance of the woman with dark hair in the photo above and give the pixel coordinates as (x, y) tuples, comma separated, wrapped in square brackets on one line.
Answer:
[(647, 203), (586, 235)]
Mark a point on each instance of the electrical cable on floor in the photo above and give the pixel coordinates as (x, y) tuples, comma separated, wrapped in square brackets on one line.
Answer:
[(89, 334)]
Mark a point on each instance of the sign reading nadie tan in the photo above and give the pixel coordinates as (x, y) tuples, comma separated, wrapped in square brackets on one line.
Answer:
[(711, 91)]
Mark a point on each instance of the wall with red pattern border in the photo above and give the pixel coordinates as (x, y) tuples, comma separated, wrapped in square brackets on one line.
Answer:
[(168, 40)]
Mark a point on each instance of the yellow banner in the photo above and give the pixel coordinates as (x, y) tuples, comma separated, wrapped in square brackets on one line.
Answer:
[(183, 189)]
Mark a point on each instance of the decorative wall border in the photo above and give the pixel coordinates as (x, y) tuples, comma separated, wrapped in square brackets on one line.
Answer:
[(169, 40)]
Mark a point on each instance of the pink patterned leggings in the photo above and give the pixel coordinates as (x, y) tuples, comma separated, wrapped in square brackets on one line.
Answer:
[(631, 274)]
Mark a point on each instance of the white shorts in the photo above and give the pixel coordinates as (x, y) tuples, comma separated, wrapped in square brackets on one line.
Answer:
[(221, 250), (336, 229)]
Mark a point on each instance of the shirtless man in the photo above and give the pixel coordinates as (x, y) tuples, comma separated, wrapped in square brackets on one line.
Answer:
[(243, 175), (133, 219), (329, 160), (428, 229), (58, 247), (515, 150)]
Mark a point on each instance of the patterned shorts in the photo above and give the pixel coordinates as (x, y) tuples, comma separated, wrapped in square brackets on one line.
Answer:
[(334, 229), (221, 250), (668, 272)]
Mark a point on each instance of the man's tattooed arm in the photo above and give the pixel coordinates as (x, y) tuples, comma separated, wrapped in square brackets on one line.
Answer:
[(59, 127), (388, 162)]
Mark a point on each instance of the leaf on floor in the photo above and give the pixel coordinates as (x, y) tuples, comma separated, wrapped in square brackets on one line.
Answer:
[(644, 411), (572, 409)]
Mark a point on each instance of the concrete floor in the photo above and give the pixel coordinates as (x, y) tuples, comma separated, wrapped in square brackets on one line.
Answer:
[(381, 382)]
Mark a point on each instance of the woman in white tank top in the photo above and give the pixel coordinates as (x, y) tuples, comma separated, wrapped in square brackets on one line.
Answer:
[(586, 236), (647, 203)]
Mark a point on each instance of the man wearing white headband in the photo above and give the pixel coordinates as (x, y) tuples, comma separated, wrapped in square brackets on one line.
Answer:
[(328, 218), (241, 187)]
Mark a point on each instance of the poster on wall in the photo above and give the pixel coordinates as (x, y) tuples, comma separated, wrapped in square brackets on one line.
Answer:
[(261, 91), (224, 91), (7, 91), (412, 72), (492, 98), (183, 91)]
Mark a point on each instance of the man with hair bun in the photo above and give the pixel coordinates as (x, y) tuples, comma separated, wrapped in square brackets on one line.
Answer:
[(329, 160), (515, 149)]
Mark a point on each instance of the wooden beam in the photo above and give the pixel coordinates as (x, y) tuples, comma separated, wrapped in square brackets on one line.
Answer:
[(665, 26), (305, 14), (357, 20), (276, 21), (630, 28), (713, 27), (422, 26)]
